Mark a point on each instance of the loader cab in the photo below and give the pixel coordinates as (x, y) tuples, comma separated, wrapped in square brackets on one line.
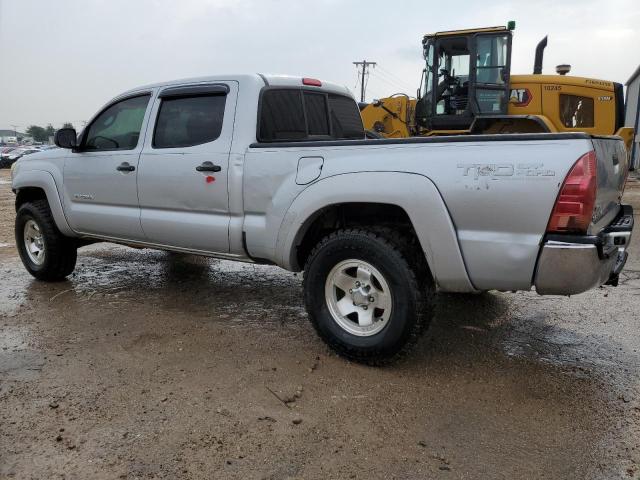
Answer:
[(466, 74)]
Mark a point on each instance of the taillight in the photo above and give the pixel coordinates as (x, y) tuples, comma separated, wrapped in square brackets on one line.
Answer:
[(311, 82), (574, 206)]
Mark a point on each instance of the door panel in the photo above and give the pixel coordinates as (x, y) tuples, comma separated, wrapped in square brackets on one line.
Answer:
[(183, 191), (100, 198)]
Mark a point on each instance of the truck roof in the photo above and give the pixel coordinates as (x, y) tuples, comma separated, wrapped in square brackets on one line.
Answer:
[(257, 78)]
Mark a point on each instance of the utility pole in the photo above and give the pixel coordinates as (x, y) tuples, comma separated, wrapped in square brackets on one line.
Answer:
[(365, 71), (15, 131)]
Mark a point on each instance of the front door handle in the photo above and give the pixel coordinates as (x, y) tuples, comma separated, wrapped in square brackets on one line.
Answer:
[(208, 167), (125, 167)]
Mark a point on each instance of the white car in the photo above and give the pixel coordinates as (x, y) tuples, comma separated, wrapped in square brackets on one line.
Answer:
[(16, 154)]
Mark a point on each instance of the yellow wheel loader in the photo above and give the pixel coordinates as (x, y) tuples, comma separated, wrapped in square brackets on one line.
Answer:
[(467, 88)]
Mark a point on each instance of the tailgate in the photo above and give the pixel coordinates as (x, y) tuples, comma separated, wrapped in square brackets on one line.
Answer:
[(613, 167)]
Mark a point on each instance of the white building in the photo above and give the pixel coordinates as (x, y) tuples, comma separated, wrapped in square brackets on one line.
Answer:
[(632, 118)]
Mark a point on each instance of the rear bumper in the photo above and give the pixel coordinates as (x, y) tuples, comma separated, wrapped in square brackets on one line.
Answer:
[(571, 264)]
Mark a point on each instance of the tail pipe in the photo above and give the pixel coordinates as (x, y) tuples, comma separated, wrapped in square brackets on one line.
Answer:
[(537, 64)]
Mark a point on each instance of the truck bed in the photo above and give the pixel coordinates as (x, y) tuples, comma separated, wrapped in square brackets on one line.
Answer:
[(498, 189)]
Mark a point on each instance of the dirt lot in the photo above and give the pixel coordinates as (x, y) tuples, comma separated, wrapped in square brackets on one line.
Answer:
[(153, 365)]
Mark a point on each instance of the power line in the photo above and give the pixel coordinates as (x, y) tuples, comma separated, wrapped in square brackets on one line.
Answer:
[(395, 87), (366, 84), (393, 76), (376, 93), (402, 85), (365, 72)]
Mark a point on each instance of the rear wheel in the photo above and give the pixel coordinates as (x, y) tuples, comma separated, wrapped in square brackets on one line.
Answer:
[(45, 252), (369, 295)]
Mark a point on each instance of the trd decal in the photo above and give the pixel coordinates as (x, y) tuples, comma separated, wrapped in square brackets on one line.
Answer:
[(504, 170)]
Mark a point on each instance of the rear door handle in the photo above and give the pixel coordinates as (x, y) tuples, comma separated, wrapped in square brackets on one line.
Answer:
[(208, 167), (125, 167)]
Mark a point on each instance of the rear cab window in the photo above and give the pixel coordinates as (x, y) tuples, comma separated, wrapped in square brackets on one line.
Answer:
[(345, 117), (298, 114)]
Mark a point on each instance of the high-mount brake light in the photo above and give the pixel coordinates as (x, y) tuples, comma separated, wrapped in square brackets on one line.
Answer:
[(312, 82), (574, 206)]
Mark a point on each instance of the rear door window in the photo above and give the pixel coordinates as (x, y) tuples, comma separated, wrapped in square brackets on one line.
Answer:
[(188, 121)]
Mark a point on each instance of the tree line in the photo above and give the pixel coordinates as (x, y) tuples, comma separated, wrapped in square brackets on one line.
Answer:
[(42, 134)]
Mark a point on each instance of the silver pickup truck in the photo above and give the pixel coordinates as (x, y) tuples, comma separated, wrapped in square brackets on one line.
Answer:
[(274, 169)]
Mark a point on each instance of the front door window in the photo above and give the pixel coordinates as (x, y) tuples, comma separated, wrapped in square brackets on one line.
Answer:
[(117, 127)]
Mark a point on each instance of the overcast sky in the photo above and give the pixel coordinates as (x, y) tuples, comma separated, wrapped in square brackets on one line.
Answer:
[(61, 60)]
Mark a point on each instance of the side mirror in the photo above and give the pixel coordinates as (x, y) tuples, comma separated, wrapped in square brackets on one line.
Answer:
[(66, 138)]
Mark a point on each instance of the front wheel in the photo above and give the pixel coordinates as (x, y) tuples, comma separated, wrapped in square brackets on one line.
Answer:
[(369, 295), (45, 252)]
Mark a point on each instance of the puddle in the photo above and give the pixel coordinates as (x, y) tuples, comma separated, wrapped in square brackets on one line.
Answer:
[(18, 359), (12, 293)]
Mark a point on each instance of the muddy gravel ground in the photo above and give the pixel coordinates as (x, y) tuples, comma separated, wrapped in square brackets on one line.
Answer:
[(147, 364)]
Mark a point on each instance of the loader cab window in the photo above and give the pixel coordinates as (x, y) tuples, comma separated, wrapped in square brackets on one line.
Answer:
[(492, 73), (491, 59), (452, 86), (426, 93), (424, 105), (444, 98), (466, 74), (576, 111)]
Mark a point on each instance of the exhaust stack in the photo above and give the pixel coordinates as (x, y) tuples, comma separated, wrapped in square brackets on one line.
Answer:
[(537, 64)]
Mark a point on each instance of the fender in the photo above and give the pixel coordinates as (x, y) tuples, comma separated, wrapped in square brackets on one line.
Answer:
[(414, 193), (44, 180)]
